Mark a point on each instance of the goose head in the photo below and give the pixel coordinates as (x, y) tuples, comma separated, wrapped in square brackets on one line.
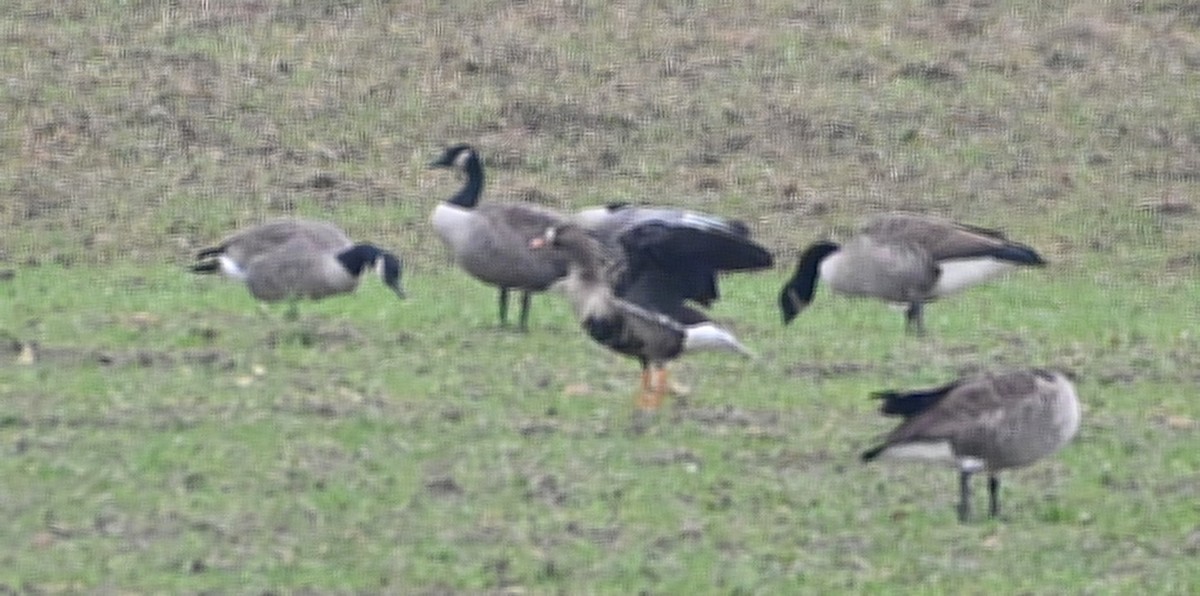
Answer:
[(456, 156), (388, 266), (585, 254), (465, 158), (798, 292)]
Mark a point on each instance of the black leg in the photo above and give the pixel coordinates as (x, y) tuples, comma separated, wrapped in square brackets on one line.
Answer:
[(993, 495), (964, 496), (525, 297), (503, 307), (914, 319)]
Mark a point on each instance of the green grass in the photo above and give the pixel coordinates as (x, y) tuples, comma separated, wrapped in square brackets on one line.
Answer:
[(160, 434), (180, 440)]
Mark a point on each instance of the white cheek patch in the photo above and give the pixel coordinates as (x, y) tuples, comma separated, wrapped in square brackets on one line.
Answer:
[(460, 160)]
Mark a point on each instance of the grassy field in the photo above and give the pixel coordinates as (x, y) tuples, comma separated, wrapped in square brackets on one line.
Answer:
[(160, 434)]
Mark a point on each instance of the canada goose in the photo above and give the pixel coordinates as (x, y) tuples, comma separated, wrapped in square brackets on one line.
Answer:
[(491, 242), (621, 325), (904, 258), (289, 259), (664, 257), (989, 422)]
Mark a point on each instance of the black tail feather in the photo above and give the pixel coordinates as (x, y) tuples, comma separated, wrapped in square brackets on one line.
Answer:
[(1020, 254), (911, 403), (210, 252), (873, 452), (207, 266)]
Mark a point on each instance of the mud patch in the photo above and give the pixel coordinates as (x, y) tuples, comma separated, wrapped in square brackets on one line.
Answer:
[(830, 370), (323, 337), (727, 419), (30, 353), (668, 457), (347, 403), (545, 488)]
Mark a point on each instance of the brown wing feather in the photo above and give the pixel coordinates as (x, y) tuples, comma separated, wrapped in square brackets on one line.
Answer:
[(523, 218), (660, 337), (969, 412), (941, 238), (243, 245)]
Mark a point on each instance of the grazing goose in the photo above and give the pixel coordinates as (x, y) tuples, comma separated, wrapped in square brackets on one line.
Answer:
[(491, 242), (904, 258), (289, 259), (621, 325), (664, 257), (989, 422)]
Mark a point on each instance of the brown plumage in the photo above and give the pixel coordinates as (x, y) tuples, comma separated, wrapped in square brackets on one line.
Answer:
[(988, 422), (904, 258), (290, 259), (259, 239), (491, 242), (651, 337)]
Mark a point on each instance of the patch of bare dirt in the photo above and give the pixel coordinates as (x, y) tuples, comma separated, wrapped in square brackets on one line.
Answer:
[(545, 488), (327, 337), (29, 353), (828, 370)]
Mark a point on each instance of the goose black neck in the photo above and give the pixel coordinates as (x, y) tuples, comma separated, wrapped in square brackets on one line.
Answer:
[(803, 283), (468, 196), (358, 257)]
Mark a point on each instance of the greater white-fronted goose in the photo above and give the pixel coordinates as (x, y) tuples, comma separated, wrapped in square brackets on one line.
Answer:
[(985, 423), (665, 257), (904, 258), (490, 241), (653, 338)]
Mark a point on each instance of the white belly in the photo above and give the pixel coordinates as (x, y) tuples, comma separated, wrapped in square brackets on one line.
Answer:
[(963, 273), (231, 269), (935, 452)]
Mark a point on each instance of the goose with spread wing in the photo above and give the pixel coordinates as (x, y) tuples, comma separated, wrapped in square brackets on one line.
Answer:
[(652, 337), (664, 258)]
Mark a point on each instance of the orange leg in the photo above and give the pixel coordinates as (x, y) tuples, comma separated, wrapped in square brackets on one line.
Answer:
[(664, 386), (654, 387), (645, 397)]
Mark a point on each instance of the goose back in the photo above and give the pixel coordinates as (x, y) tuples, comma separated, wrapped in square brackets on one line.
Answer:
[(241, 246), (291, 258), (990, 422), (298, 269)]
